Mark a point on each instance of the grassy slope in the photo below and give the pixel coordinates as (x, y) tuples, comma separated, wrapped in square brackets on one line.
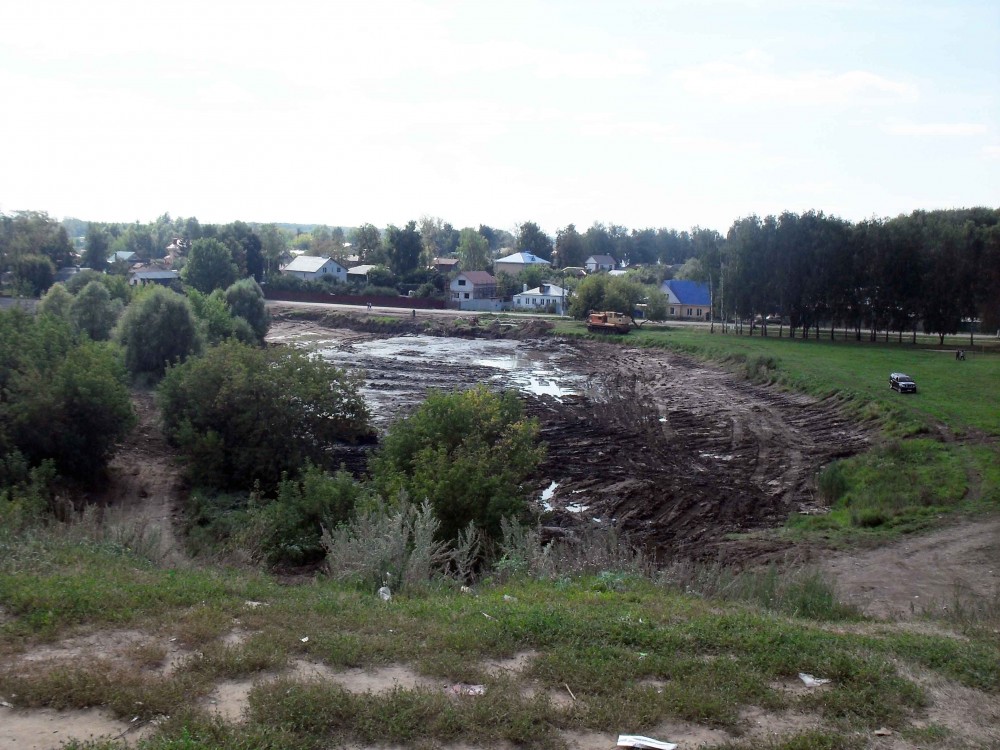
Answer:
[(635, 653)]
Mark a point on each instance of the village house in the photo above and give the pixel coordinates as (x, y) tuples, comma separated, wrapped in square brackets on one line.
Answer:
[(360, 272), (597, 263), (160, 276), (316, 268), (122, 256), (474, 290), (514, 264), (687, 300), (445, 265), (544, 297)]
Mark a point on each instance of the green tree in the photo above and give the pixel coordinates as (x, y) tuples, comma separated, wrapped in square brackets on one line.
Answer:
[(94, 312), (157, 329), (403, 247), (60, 400), (473, 251), (75, 413), (245, 300), (570, 250), (589, 296), (209, 266), (33, 273), (216, 322), (466, 453), (97, 247), (531, 239), (274, 245), (56, 302), (244, 414), (366, 241)]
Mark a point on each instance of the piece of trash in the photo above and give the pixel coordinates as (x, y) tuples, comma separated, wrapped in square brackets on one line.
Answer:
[(882, 732), (643, 654), (172, 640), (635, 740), (509, 598), (5, 704), (385, 593), (488, 617), (465, 590), (253, 605), (811, 681), (305, 640), (460, 688)]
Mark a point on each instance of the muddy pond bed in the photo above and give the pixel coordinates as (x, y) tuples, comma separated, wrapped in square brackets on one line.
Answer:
[(683, 457)]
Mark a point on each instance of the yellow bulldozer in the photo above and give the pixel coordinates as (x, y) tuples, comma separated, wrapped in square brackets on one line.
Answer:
[(608, 322)]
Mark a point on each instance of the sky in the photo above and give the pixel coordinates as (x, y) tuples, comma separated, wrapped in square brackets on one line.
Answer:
[(633, 112)]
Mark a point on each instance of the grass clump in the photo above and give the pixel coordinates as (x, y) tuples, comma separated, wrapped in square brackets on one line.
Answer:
[(801, 592), (899, 487)]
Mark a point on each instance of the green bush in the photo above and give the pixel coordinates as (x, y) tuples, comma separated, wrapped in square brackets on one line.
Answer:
[(467, 453), (289, 529), (242, 414), (156, 330), (61, 400), (245, 300)]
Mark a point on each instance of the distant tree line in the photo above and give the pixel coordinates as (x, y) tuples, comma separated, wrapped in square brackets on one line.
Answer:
[(931, 269)]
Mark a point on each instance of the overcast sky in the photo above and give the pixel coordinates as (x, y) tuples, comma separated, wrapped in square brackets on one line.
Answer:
[(641, 113)]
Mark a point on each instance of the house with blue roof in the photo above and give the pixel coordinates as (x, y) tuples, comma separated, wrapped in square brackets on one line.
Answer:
[(687, 300)]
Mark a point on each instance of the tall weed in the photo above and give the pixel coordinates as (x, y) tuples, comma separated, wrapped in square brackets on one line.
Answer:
[(523, 553), (394, 546)]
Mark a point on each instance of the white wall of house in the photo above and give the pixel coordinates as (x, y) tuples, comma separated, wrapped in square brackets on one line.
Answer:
[(541, 297), (316, 269)]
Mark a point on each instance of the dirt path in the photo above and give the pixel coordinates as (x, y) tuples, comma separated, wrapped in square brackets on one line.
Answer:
[(924, 574), (143, 493)]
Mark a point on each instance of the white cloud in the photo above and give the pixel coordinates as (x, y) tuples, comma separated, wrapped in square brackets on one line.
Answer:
[(750, 79), (935, 128), (991, 152)]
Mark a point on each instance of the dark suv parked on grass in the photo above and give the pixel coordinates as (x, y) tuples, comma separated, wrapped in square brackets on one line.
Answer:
[(902, 383)]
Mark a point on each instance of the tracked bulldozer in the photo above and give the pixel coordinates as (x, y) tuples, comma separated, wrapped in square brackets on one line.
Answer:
[(608, 322)]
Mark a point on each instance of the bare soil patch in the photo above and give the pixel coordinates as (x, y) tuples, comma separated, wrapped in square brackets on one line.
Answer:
[(144, 491), (923, 575), (47, 729)]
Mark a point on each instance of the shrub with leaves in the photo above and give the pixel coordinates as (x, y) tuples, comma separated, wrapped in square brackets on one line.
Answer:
[(467, 453), (156, 330), (289, 528), (243, 415), (59, 399)]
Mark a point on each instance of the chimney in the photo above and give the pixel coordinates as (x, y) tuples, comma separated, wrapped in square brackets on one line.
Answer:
[(524, 287)]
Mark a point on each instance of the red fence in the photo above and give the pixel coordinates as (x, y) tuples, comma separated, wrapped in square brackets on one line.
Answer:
[(419, 303)]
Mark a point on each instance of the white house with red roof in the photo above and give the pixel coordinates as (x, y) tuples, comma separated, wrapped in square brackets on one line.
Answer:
[(474, 290)]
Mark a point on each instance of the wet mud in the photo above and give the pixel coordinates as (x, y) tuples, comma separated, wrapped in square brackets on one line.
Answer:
[(684, 457)]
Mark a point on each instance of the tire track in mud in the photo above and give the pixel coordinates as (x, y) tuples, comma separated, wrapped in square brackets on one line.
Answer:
[(682, 455)]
